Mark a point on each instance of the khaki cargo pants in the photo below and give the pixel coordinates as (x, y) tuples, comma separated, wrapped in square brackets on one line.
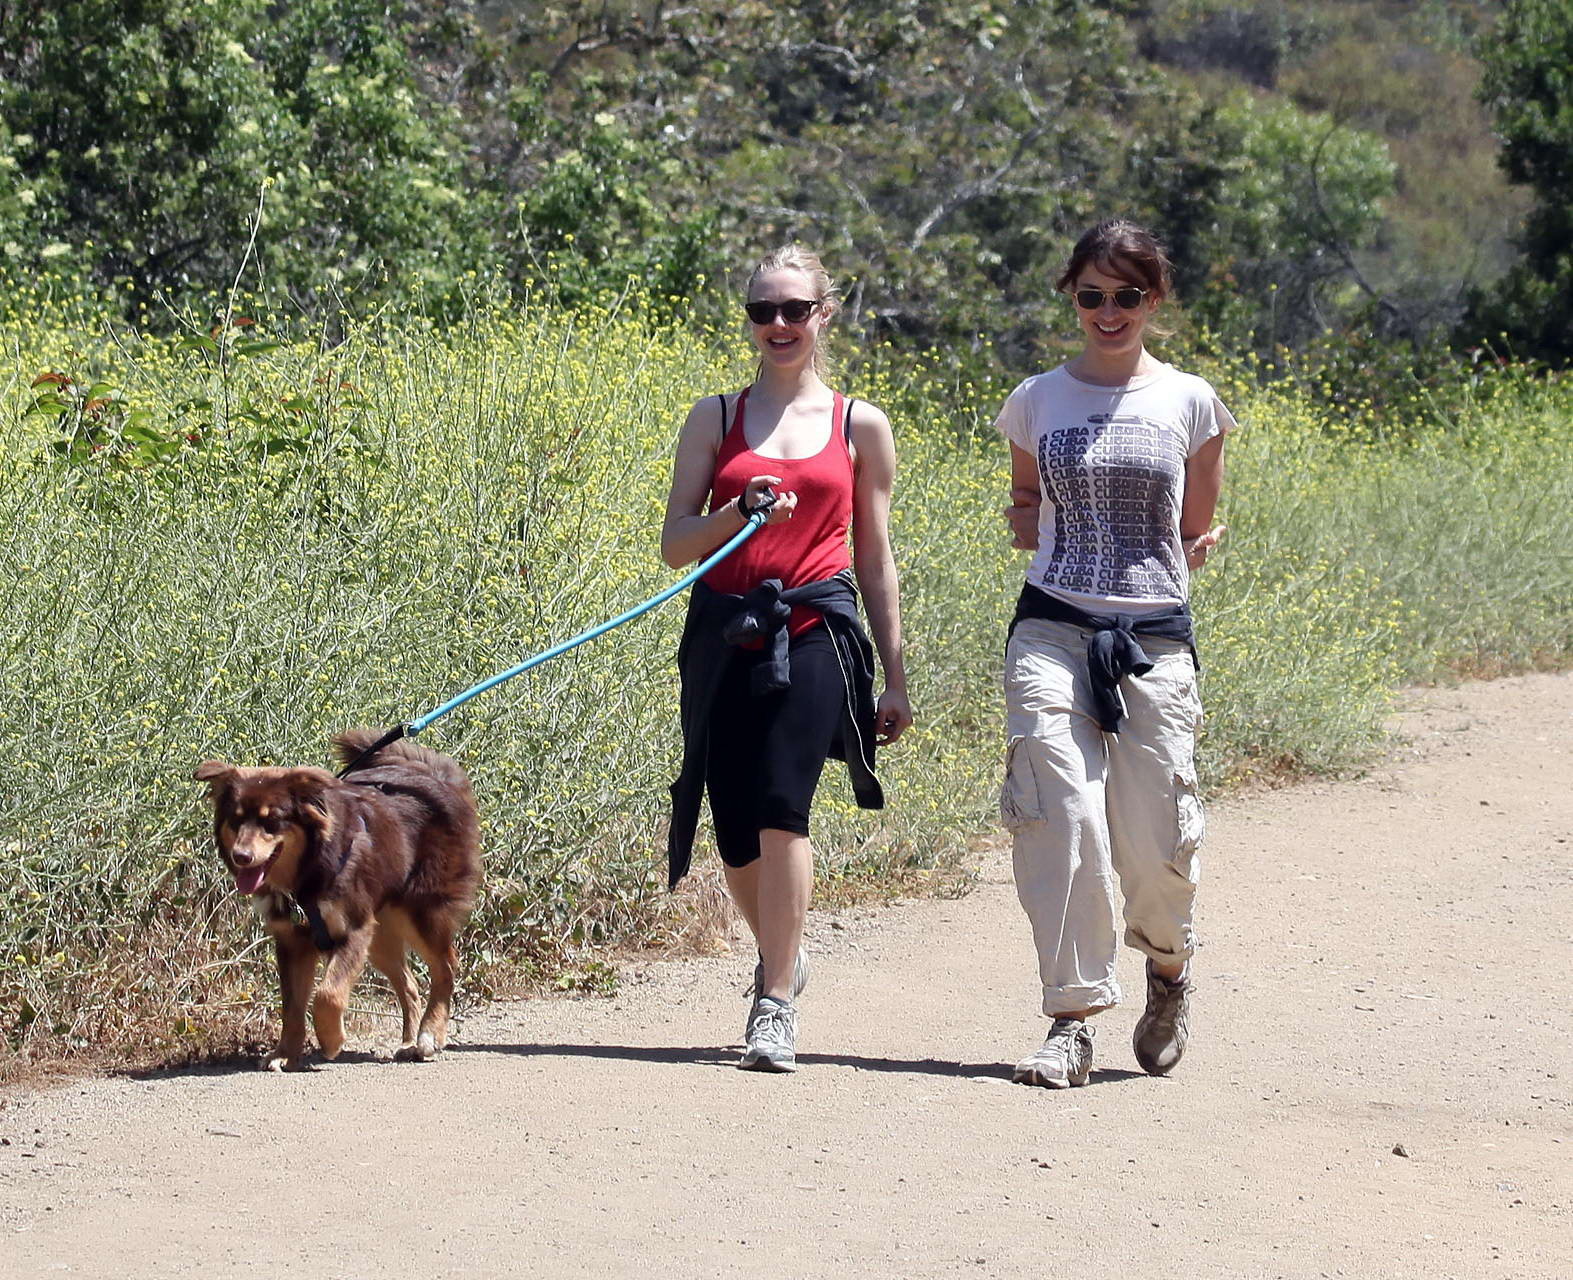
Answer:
[(1083, 805)]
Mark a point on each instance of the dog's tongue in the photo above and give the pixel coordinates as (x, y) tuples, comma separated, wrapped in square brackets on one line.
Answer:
[(249, 880)]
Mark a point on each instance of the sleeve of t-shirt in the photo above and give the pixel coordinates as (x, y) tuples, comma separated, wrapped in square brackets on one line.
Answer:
[(1209, 418), (1013, 422)]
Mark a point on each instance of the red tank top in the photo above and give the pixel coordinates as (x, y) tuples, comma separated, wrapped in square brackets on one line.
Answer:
[(809, 547)]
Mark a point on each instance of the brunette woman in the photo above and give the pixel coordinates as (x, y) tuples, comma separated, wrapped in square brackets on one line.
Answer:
[(1116, 466), (777, 672)]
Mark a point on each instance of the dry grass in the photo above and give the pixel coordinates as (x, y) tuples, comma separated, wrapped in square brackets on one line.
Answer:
[(442, 522)]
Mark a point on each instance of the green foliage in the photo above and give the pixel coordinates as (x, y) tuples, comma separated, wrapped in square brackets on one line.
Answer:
[(1265, 203), (93, 425), (943, 158), (592, 219), (379, 184), (1447, 223), (1250, 41), (1528, 86), (1389, 69), (142, 135), (143, 111), (235, 541)]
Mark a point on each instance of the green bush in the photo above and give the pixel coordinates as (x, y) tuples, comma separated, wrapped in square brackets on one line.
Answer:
[(137, 139), (1528, 86), (235, 542)]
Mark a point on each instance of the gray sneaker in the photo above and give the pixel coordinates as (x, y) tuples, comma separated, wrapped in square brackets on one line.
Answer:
[(1063, 1060), (772, 1037), (800, 969), (1163, 1029)]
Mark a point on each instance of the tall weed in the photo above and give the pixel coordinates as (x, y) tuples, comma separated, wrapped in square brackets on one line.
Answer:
[(234, 543)]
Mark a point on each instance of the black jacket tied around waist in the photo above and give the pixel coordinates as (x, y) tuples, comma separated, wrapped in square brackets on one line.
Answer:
[(715, 622), (1114, 651)]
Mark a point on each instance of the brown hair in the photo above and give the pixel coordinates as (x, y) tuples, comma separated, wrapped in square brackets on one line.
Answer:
[(1123, 249)]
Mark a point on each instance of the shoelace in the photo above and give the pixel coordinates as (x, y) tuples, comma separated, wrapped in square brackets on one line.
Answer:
[(772, 1023), (1171, 1005), (1061, 1039), (799, 978)]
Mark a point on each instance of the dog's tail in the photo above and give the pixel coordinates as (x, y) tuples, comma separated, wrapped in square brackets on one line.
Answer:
[(352, 742)]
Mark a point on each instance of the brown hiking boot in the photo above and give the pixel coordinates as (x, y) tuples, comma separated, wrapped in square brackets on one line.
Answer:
[(1162, 1030)]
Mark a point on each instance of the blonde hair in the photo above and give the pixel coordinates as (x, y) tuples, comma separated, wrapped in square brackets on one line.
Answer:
[(793, 257)]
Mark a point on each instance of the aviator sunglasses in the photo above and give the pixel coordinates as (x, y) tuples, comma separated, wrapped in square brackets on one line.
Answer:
[(1126, 297), (793, 311)]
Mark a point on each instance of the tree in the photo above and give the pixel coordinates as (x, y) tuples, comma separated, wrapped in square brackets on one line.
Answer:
[(942, 156), (1265, 208), (139, 135), (1528, 87), (132, 135)]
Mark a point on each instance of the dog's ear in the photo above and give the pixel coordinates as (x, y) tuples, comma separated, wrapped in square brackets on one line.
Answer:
[(310, 788), (315, 812), (216, 772)]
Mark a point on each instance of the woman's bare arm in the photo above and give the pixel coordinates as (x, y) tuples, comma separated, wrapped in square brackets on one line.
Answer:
[(686, 534), (1203, 484), (1026, 499), (875, 565)]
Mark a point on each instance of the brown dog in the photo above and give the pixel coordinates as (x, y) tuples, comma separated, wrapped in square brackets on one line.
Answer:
[(378, 862)]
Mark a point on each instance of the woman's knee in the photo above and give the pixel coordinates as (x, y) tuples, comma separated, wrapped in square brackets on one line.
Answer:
[(781, 841)]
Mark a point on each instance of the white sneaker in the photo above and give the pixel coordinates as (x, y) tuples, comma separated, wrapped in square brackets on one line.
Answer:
[(1063, 1061), (772, 1037), (800, 971)]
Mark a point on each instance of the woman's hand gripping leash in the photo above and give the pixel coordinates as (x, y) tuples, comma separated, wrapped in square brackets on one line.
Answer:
[(759, 495)]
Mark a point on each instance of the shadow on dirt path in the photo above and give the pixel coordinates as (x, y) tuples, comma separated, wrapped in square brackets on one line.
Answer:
[(1378, 1085)]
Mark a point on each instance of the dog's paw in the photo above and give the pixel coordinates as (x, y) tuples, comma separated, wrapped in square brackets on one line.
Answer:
[(423, 1050), (280, 1063)]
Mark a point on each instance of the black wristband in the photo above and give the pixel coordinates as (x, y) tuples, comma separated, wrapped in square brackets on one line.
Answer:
[(767, 499)]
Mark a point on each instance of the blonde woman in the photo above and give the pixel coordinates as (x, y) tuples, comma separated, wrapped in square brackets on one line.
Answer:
[(1116, 466), (777, 672)]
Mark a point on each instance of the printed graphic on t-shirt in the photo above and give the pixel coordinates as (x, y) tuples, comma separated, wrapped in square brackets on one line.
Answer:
[(1113, 483)]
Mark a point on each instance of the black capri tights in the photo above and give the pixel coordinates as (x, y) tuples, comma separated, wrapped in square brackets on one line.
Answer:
[(766, 753)]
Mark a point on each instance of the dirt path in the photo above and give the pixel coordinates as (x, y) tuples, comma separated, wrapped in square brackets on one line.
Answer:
[(1387, 963)]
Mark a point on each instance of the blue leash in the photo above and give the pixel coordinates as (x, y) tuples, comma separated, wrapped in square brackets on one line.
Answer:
[(755, 518)]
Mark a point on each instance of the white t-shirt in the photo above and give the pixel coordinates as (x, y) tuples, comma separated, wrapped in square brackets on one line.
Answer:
[(1111, 468)]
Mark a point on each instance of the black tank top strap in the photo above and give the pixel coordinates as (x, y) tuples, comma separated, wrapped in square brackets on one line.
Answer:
[(726, 423)]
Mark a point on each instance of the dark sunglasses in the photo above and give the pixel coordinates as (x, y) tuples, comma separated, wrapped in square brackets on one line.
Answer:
[(1126, 297), (794, 311)]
